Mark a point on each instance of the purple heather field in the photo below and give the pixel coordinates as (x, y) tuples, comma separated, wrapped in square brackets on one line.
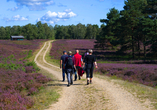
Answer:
[(141, 73), (18, 77)]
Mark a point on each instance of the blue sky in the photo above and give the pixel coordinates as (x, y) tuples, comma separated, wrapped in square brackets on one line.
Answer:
[(61, 12)]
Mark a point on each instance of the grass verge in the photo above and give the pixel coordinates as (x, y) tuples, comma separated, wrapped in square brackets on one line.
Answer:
[(142, 92), (47, 95), (50, 60), (34, 53)]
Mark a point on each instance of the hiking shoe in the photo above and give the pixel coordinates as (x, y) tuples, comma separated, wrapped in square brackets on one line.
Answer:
[(90, 81), (68, 85), (87, 82), (79, 78), (71, 83)]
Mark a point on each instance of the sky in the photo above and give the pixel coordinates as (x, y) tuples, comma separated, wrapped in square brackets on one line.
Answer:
[(52, 12)]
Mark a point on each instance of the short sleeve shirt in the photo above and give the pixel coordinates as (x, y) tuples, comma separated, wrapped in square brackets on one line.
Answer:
[(89, 59), (63, 58)]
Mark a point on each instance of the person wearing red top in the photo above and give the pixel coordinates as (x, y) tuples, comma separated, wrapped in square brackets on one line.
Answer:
[(78, 63)]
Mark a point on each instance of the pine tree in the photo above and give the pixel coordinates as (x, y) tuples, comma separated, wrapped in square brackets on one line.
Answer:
[(107, 35), (131, 16)]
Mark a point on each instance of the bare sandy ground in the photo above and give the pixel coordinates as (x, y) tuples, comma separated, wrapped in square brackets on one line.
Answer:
[(100, 95)]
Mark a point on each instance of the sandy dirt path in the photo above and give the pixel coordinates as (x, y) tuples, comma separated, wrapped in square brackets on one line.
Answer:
[(101, 95)]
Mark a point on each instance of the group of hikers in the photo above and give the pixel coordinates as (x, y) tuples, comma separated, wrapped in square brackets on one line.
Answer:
[(75, 64)]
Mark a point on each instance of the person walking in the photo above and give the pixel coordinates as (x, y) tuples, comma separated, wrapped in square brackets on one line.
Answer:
[(61, 64), (89, 62), (69, 66), (78, 63)]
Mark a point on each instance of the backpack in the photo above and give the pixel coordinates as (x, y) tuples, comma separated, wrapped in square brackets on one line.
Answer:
[(69, 63)]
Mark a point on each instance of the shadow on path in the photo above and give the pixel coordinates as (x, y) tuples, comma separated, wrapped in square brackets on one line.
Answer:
[(62, 84)]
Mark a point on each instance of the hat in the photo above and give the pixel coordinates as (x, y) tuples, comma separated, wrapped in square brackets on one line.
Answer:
[(90, 50), (69, 52)]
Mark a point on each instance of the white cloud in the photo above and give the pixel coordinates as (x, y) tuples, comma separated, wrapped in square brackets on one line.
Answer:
[(14, 9), (24, 19), (34, 4), (51, 14), (71, 14), (49, 3), (16, 18), (67, 10), (53, 17)]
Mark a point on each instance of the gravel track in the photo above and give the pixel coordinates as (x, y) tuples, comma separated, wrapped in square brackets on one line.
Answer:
[(101, 95)]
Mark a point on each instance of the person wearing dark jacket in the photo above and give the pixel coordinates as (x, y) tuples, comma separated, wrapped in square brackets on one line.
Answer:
[(61, 64), (89, 62), (69, 66)]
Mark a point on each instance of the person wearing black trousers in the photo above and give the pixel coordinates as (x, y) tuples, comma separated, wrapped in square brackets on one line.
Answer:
[(89, 62)]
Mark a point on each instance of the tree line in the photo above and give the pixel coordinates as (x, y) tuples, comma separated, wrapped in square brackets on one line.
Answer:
[(79, 31), (134, 28), (29, 31), (43, 31)]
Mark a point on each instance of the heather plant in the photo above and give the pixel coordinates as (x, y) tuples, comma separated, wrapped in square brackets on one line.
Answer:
[(14, 101), (127, 70), (60, 45), (141, 73), (29, 54), (17, 81), (18, 77), (31, 66)]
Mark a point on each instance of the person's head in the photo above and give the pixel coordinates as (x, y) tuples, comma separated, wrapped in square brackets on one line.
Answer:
[(64, 52), (76, 51), (69, 53), (90, 51)]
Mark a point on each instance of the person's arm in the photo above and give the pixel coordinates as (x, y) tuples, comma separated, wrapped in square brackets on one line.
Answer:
[(61, 64), (81, 61), (64, 62), (95, 63)]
